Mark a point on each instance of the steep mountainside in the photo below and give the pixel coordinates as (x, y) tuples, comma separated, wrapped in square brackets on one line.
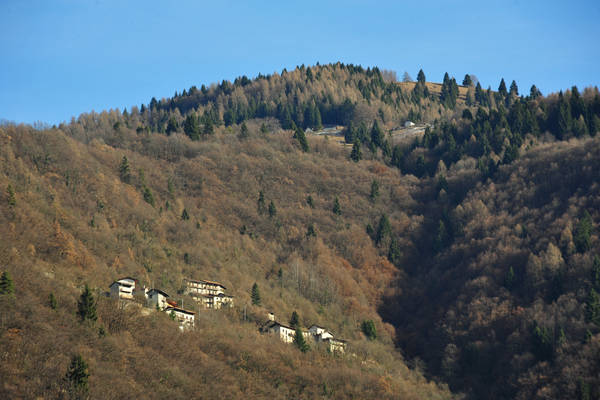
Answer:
[(471, 249)]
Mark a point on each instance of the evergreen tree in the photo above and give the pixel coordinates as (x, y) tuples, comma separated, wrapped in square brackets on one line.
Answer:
[(394, 253), (310, 202), (441, 237), (534, 92), (349, 134), (449, 92), (377, 136), (172, 125), (272, 209), (310, 231), (356, 154), (191, 127), (592, 308), (301, 138), (52, 301), (10, 193), (368, 328), (6, 284), (479, 95), (421, 76), (294, 320), (184, 215), (209, 127), (255, 295), (509, 278), (595, 275), (467, 81), (337, 210), (124, 170), (77, 377), (261, 202), (86, 306), (148, 196), (384, 229), (244, 131), (300, 342), (374, 190), (502, 89), (514, 89), (583, 232)]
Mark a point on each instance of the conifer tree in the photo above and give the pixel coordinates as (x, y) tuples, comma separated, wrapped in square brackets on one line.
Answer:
[(502, 89), (244, 131), (583, 232), (124, 170), (592, 308), (479, 96), (595, 275), (294, 320), (261, 202), (509, 278), (374, 190), (421, 76), (337, 210), (368, 328), (6, 284), (384, 229), (356, 154), (534, 92), (10, 193), (52, 301), (310, 202), (272, 209), (300, 341), (77, 377), (394, 253), (377, 135), (86, 306), (301, 138), (255, 295), (184, 215), (467, 81), (310, 231), (191, 127), (172, 126), (148, 196), (514, 89)]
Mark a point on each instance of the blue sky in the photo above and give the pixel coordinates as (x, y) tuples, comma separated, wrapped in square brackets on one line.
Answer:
[(60, 58)]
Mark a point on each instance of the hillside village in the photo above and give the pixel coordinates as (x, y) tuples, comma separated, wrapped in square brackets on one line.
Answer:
[(210, 295)]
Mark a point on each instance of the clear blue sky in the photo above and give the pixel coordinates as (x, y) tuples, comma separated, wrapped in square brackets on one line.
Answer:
[(59, 58)]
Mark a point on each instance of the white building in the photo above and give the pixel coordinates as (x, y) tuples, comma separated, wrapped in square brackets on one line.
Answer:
[(319, 333), (124, 288), (409, 124), (184, 317), (157, 298), (209, 294), (203, 287), (335, 345), (322, 335), (285, 333), (214, 302)]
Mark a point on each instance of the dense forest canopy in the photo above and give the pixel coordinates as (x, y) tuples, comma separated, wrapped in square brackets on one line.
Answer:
[(460, 261)]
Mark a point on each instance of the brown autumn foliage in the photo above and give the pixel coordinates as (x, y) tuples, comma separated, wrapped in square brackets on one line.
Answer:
[(490, 291), (76, 222)]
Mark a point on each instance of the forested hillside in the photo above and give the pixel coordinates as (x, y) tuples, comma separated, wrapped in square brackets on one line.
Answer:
[(467, 256)]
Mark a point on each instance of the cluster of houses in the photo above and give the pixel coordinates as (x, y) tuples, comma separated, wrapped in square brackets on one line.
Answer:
[(208, 294), (211, 295), (315, 333)]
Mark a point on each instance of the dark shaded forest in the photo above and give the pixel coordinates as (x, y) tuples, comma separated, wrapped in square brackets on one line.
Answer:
[(464, 260)]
